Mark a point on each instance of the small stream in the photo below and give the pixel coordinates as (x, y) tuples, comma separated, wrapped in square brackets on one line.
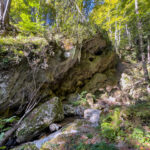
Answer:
[(46, 135), (66, 121)]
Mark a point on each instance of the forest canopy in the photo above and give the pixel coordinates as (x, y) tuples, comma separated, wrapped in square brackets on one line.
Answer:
[(115, 16)]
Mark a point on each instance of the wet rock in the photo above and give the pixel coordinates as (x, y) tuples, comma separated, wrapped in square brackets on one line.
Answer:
[(93, 116), (39, 119)]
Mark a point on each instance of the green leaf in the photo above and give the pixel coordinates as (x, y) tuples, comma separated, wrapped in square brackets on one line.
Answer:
[(3, 147), (2, 135), (10, 120)]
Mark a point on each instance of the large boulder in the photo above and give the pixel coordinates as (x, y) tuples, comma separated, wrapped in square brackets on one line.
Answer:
[(39, 119), (93, 116), (59, 76)]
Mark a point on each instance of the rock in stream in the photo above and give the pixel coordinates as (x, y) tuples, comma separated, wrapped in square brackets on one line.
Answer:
[(63, 138)]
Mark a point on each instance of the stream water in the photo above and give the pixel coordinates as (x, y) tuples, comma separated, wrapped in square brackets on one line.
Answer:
[(46, 135)]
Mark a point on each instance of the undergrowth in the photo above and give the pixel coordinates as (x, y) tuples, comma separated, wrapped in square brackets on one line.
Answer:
[(127, 125), (82, 100), (5, 125)]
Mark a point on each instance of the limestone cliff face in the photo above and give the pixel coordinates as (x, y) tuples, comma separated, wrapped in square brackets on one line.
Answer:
[(59, 77)]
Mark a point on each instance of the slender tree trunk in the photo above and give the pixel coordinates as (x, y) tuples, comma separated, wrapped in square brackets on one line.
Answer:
[(116, 38), (4, 13), (110, 30), (1, 12), (119, 36), (139, 27), (148, 49), (128, 35)]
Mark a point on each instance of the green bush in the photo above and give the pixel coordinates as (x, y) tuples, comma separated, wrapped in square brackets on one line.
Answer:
[(110, 125), (27, 26), (139, 135)]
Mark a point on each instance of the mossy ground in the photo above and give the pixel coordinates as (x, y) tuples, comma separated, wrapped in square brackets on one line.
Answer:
[(13, 49)]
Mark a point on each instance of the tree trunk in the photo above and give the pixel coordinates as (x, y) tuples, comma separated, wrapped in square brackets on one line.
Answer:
[(141, 48), (116, 39), (129, 36), (119, 36), (4, 13), (110, 30), (148, 49), (1, 12)]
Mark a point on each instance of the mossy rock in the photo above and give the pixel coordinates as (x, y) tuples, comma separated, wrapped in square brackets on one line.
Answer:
[(40, 118), (53, 79), (95, 83)]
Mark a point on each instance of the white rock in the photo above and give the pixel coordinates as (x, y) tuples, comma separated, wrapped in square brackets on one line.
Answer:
[(93, 116), (54, 127)]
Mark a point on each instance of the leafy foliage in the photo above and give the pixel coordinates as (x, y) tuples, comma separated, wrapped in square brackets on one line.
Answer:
[(118, 18), (110, 125), (5, 124), (125, 124), (82, 100)]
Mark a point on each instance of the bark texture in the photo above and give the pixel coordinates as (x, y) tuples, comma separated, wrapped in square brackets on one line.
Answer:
[(4, 13), (141, 46)]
